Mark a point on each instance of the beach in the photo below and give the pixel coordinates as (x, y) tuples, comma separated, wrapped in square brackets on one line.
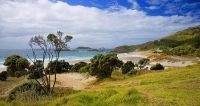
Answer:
[(173, 61)]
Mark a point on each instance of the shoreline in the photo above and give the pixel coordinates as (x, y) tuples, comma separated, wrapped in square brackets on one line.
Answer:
[(135, 57)]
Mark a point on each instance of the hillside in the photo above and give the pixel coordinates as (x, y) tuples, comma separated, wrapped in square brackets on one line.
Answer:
[(180, 41), (176, 86)]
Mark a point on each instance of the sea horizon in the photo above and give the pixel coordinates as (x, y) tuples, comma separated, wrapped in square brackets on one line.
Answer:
[(64, 55)]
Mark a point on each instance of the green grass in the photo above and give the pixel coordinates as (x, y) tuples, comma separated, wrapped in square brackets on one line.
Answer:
[(177, 86)]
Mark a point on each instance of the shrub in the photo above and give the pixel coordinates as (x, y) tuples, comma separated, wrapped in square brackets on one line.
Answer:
[(18, 74), (3, 75), (76, 67), (84, 69), (103, 65), (16, 63), (61, 66), (128, 66), (21, 89), (158, 66), (132, 72)]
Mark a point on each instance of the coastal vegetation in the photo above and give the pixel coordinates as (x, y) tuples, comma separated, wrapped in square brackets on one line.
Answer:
[(16, 65), (176, 86), (117, 83)]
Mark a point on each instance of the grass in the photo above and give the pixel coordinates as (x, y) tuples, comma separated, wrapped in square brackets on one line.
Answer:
[(10, 83), (177, 86)]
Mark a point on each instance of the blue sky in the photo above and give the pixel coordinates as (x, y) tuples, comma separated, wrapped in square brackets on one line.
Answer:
[(151, 7), (95, 23)]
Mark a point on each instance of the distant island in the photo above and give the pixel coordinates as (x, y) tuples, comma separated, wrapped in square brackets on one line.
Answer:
[(90, 49)]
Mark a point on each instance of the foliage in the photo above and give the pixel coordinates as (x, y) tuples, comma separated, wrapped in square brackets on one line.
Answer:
[(85, 69), (3, 75), (179, 50), (18, 74), (128, 66), (158, 66), (16, 63), (60, 66), (23, 88), (76, 67), (143, 62), (103, 65), (132, 72), (36, 70), (147, 89), (54, 44)]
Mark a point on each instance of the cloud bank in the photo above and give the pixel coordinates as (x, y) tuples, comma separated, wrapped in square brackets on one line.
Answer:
[(90, 26)]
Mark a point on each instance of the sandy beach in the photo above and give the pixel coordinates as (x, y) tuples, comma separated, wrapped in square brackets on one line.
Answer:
[(136, 56), (77, 81)]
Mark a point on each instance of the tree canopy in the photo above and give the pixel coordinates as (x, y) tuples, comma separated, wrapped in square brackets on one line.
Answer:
[(103, 65), (16, 63), (128, 66)]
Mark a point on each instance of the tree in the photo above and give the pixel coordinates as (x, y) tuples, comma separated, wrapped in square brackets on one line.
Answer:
[(3, 75), (16, 63), (50, 47), (103, 65), (128, 66), (142, 63), (158, 66)]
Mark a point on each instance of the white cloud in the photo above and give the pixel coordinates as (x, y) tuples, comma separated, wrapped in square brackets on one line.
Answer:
[(156, 2), (153, 7), (135, 5), (90, 26)]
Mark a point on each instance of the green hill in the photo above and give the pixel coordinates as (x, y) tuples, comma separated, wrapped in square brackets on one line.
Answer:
[(186, 42)]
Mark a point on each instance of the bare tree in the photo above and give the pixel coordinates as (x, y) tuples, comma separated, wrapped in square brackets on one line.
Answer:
[(50, 47)]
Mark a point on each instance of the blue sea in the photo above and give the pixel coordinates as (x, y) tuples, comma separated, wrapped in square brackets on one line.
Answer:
[(64, 55)]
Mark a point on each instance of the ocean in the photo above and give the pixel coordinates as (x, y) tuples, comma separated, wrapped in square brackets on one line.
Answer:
[(64, 55)]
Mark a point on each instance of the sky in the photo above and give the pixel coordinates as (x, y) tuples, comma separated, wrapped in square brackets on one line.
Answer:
[(95, 23)]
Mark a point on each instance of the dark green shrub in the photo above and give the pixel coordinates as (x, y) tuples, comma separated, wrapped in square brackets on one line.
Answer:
[(16, 63), (18, 74), (3, 75), (132, 72), (58, 66), (76, 67), (128, 66), (84, 69), (103, 65), (158, 66)]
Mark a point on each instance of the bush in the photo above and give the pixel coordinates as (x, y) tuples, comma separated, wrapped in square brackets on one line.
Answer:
[(18, 74), (158, 66), (61, 66), (3, 75), (36, 71), (84, 69), (128, 66), (76, 67), (103, 65), (21, 89), (132, 72), (16, 63)]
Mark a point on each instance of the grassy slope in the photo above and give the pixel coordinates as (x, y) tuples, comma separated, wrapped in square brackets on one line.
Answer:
[(179, 86), (185, 34)]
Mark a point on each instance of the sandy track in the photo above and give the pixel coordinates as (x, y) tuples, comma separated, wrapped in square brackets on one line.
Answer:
[(74, 80)]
